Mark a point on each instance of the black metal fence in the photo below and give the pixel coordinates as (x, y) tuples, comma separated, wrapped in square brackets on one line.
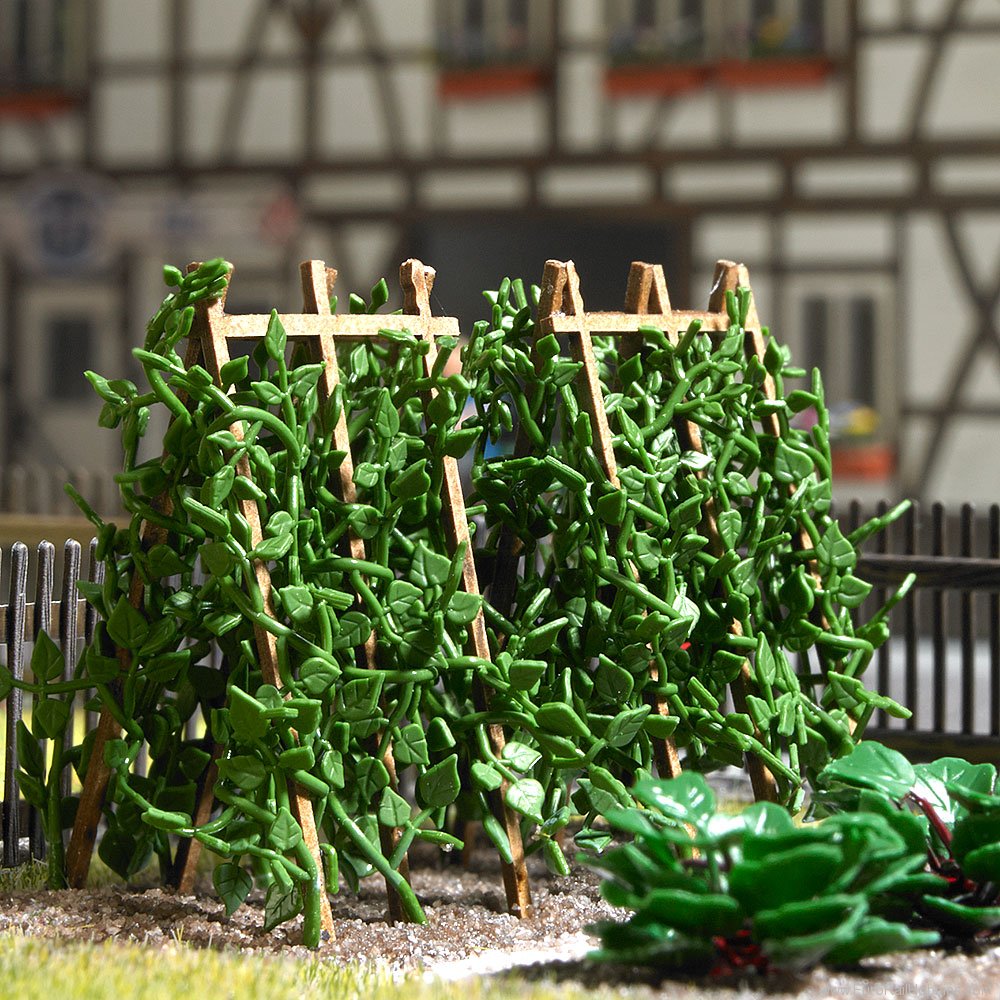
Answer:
[(35, 603), (942, 662)]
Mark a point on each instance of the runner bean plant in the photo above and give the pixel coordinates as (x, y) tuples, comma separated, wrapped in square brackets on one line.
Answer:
[(622, 600), (653, 606)]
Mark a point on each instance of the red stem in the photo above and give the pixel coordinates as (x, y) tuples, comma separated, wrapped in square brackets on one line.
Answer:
[(931, 813)]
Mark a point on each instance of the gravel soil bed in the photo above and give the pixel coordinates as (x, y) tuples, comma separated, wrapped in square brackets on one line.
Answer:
[(468, 933)]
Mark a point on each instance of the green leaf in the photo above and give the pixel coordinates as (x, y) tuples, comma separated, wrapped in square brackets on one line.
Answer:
[(527, 797), (960, 917), (790, 464), (275, 338), (216, 488), (297, 759), (385, 419), (366, 475), (47, 661), (163, 561), (692, 912), (625, 726), (463, 608), (486, 776), (525, 674), (308, 713), (393, 809), (413, 482), (372, 776), (983, 864), (355, 627), (297, 602), (29, 753), (520, 756), (117, 753), (246, 714), (270, 549), (193, 762), (280, 905), (834, 551), (268, 393), (541, 638), (559, 718), (660, 727), (365, 521), (244, 771), (234, 370), (686, 798), (792, 875), (879, 937), (411, 746), (51, 716), (851, 592), (233, 885), (429, 568), (221, 622), (126, 626), (932, 780), (611, 507), (285, 833), (874, 766), (317, 675), (439, 785), (217, 559)]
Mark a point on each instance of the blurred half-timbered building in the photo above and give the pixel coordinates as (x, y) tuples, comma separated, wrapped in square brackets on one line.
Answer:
[(848, 151)]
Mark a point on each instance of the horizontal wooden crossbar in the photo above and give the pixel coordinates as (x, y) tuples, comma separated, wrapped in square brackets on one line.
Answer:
[(340, 326), (612, 323)]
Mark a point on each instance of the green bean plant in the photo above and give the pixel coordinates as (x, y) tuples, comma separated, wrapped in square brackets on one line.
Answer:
[(948, 808), (622, 604), (727, 895), (327, 730), (649, 607)]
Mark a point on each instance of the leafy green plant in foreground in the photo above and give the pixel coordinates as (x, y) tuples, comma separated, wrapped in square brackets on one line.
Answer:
[(751, 892), (949, 806)]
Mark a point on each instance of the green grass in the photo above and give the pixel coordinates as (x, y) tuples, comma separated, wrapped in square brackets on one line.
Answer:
[(30, 969)]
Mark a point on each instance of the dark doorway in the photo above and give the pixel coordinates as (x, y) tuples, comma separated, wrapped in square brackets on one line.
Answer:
[(475, 254)]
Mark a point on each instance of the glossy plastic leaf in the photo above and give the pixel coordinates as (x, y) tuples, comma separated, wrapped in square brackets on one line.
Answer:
[(233, 884)]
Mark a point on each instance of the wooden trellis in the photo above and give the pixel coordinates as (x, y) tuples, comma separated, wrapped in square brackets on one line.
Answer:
[(320, 332), (561, 312)]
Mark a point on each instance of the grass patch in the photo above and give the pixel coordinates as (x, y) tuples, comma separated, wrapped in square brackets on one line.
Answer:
[(29, 968)]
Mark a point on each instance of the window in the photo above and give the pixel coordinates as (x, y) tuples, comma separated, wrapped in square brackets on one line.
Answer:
[(714, 30), (848, 335), (654, 29), (40, 42), (71, 351), (491, 32)]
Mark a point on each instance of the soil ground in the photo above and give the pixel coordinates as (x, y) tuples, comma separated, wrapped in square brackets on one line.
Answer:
[(468, 933)]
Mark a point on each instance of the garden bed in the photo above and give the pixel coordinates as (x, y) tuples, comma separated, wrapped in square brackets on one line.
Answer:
[(467, 934)]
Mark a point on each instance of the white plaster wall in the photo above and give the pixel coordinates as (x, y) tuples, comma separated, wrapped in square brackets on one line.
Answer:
[(887, 75), (813, 114), (218, 28), (513, 124), (272, 122), (352, 122), (963, 101), (132, 29), (132, 120), (936, 317)]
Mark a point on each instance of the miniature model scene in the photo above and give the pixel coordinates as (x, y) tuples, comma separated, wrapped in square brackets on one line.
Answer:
[(313, 661), (499, 499)]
